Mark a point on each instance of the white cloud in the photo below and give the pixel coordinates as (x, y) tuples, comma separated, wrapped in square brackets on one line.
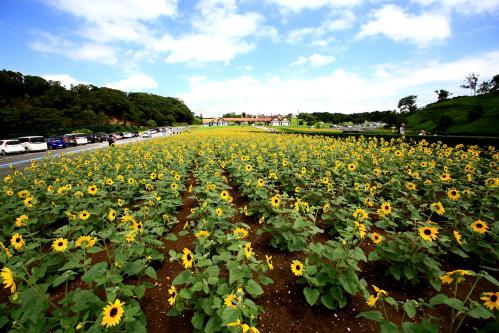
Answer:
[(220, 34), (136, 82), (394, 23), (65, 79), (50, 44), (299, 5), (98, 10), (316, 60), (463, 6), (343, 20), (339, 91)]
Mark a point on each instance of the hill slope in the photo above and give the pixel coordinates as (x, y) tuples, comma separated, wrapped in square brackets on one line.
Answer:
[(464, 115), (31, 105)]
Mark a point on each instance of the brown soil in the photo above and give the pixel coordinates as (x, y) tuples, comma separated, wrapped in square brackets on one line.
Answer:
[(286, 309)]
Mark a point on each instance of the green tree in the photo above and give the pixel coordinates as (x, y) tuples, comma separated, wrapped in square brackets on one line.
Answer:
[(408, 104), (442, 94), (470, 82)]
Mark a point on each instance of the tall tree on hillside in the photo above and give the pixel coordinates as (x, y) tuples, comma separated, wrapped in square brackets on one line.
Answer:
[(470, 82), (443, 95), (494, 83), (484, 88), (408, 104)]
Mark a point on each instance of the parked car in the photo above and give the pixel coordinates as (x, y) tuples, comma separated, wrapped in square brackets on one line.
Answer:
[(117, 136), (93, 138), (127, 135), (11, 146), (56, 142), (75, 139), (33, 143)]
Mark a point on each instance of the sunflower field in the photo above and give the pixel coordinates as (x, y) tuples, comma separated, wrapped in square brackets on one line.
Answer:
[(235, 230)]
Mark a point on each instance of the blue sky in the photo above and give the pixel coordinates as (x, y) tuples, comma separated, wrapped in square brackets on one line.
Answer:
[(257, 56)]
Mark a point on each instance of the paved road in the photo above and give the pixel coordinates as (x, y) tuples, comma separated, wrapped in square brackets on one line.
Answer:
[(19, 159)]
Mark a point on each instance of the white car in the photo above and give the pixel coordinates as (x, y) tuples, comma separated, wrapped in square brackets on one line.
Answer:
[(127, 135), (11, 146), (33, 143), (75, 139)]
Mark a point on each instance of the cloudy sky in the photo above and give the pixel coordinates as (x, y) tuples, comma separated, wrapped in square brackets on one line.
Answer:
[(257, 56)]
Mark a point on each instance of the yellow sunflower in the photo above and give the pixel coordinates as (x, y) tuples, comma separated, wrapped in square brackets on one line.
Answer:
[(275, 201), (269, 262), (224, 195), (371, 301), (410, 186), (458, 236), (260, 182), (219, 211), (386, 208), (85, 242), (84, 215), (438, 208), (428, 233), (241, 233), (173, 295), (111, 215), (248, 167), (457, 275), (112, 313), (92, 190), (174, 186), (109, 182), (60, 244), (187, 258), (352, 167), (21, 221), (453, 194), (360, 214), (29, 202), (248, 250), (17, 241), (8, 279), (131, 181), (376, 238), (232, 301), (445, 177), (297, 267), (491, 300), (479, 227)]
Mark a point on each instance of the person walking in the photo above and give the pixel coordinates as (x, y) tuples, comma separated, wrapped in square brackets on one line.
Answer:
[(402, 129), (111, 140)]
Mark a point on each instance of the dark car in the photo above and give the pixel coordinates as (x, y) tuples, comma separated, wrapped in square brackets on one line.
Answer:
[(56, 142)]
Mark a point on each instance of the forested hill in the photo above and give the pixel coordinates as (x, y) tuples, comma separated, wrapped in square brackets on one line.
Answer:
[(33, 105)]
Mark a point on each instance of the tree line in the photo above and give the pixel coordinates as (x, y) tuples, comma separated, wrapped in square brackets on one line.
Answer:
[(32, 105), (406, 106)]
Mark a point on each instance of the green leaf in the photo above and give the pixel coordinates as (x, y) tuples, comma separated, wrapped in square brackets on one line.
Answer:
[(312, 295), (371, 315), (197, 286), (438, 299), (182, 278), (95, 272), (490, 278), (388, 327), (83, 299), (197, 320), (213, 325), (410, 308), (455, 303), (140, 291), (171, 237), (151, 273), (133, 268), (253, 288), (235, 274), (480, 312)]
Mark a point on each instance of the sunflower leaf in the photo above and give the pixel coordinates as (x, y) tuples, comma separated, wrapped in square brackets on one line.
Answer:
[(254, 288), (312, 295), (371, 315)]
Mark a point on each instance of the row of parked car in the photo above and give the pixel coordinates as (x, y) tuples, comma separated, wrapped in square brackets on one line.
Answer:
[(39, 143)]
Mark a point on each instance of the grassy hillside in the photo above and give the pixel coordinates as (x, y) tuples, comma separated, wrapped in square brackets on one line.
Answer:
[(466, 115)]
